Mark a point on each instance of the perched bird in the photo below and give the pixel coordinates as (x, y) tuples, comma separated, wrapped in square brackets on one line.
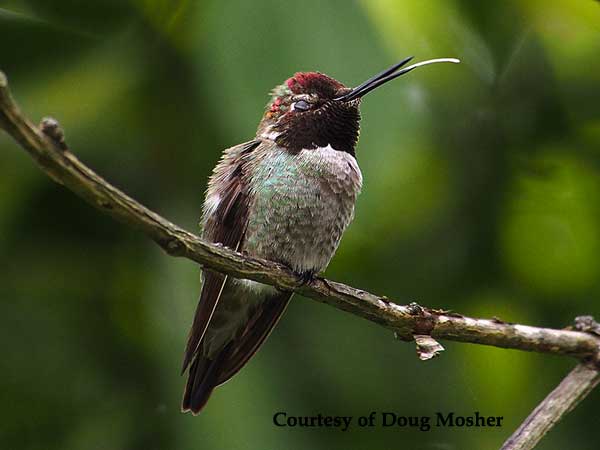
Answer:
[(286, 196)]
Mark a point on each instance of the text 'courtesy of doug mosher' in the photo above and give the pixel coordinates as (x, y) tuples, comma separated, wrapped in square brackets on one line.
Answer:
[(390, 420)]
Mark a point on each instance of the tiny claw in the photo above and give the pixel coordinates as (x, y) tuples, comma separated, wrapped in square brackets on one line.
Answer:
[(51, 128), (306, 277)]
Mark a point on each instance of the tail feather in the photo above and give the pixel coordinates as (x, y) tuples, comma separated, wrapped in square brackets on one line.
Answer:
[(205, 374), (203, 377)]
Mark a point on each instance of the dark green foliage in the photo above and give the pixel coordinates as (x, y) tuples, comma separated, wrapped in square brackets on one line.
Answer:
[(481, 195)]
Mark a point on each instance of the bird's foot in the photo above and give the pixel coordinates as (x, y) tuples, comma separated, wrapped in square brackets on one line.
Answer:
[(306, 276)]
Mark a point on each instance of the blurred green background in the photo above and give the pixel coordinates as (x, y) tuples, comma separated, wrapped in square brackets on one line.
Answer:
[(481, 194)]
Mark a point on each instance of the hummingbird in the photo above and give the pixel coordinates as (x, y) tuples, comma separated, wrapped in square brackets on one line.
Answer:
[(286, 196)]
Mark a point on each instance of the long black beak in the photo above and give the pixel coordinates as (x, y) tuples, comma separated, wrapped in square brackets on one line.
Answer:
[(388, 75)]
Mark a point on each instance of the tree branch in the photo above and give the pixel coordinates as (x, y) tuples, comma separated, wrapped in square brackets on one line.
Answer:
[(48, 149), (406, 320), (567, 395)]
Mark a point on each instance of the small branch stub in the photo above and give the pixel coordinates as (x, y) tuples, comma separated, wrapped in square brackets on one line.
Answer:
[(51, 128), (587, 324)]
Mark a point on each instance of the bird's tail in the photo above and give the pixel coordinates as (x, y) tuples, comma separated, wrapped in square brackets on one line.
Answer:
[(203, 377)]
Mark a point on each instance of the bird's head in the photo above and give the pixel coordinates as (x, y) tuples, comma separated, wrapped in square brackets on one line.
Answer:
[(311, 109)]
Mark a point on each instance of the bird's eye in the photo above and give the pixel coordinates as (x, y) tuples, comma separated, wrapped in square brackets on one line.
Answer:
[(301, 105)]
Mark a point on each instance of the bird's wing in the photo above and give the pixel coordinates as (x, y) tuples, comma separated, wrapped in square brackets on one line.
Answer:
[(256, 331), (225, 219)]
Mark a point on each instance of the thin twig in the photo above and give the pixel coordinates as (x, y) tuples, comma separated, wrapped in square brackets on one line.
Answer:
[(62, 166), (567, 395)]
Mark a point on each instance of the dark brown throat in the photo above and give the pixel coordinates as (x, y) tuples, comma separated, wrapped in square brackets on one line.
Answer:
[(335, 124)]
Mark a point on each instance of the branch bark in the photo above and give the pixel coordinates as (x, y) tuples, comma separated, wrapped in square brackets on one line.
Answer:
[(407, 321), (63, 167)]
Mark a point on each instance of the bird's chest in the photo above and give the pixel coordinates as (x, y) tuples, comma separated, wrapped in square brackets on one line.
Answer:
[(301, 205)]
